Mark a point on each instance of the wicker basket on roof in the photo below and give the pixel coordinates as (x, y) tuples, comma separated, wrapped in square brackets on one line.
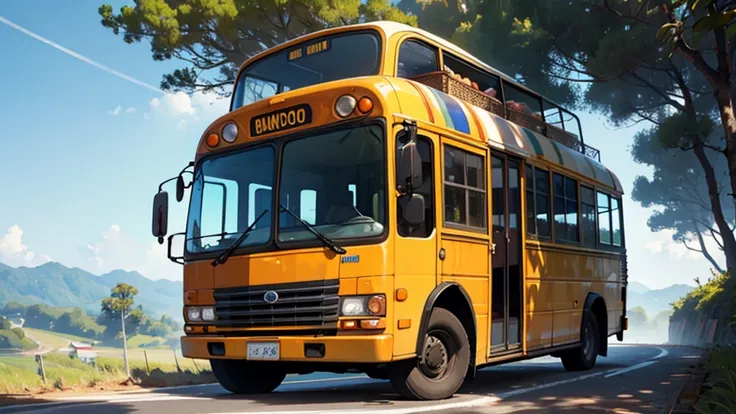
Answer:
[(527, 121), (563, 137), (442, 81)]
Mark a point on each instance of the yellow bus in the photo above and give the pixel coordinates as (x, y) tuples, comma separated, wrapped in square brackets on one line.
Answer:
[(378, 200)]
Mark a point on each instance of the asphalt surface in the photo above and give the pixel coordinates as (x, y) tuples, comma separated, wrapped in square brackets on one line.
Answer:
[(632, 379)]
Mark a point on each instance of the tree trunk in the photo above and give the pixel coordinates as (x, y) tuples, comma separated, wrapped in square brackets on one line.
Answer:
[(729, 242), (125, 345), (725, 107), (705, 252)]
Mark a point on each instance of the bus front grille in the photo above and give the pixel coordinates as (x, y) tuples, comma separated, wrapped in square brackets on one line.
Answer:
[(296, 304)]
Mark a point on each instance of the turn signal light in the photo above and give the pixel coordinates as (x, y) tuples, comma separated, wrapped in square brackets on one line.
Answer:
[(349, 324), (377, 305), (213, 139), (373, 324), (365, 105)]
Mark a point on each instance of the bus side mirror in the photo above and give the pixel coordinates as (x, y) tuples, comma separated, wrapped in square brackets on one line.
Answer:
[(409, 171), (160, 219), (179, 188), (412, 208)]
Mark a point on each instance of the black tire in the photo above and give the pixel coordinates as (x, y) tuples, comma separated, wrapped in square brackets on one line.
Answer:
[(244, 377), (583, 358), (440, 371)]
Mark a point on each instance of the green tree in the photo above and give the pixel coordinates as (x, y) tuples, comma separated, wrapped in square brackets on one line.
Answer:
[(215, 37), (5, 324), (120, 303), (12, 309), (679, 190), (637, 316), (609, 56)]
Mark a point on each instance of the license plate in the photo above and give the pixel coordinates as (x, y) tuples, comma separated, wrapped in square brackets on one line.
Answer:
[(263, 350)]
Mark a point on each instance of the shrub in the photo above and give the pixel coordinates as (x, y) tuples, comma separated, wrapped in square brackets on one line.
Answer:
[(19, 332), (719, 395)]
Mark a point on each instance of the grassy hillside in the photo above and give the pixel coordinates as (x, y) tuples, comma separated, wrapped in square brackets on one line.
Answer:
[(56, 285)]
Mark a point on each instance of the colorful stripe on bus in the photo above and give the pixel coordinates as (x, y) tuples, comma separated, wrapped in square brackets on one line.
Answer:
[(502, 134)]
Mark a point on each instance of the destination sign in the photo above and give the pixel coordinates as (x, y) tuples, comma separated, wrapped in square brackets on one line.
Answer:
[(309, 50), (281, 120)]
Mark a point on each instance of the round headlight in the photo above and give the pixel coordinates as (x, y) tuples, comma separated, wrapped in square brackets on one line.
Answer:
[(345, 105), (194, 314), (230, 132)]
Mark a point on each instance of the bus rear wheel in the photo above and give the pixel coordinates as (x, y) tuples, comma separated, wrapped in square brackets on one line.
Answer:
[(245, 377), (440, 369), (584, 357)]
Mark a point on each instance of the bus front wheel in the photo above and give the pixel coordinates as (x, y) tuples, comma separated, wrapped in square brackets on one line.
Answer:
[(244, 377), (440, 369), (584, 357)]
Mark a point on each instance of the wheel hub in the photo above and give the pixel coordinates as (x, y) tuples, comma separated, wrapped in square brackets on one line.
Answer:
[(589, 340), (434, 357)]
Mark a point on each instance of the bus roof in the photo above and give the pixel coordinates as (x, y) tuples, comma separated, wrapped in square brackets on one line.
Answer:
[(390, 28)]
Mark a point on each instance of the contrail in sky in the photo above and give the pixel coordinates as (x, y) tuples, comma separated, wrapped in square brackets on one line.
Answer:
[(78, 56)]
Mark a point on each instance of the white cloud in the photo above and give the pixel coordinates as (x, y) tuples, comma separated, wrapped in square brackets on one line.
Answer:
[(146, 116), (130, 110), (181, 125), (175, 104), (114, 249), (662, 243), (179, 104), (155, 103), (116, 111), (15, 253)]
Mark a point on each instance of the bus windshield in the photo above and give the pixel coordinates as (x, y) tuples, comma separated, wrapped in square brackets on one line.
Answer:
[(335, 181), (316, 61)]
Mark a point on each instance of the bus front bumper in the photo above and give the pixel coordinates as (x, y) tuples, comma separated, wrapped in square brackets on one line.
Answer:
[(363, 348)]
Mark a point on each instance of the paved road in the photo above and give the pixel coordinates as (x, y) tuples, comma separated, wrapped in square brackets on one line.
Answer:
[(632, 379)]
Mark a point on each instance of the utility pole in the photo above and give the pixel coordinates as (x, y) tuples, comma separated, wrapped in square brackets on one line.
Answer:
[(125, 344)]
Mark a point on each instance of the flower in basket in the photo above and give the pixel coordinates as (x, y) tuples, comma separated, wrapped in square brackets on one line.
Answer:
[(513, 105), (490, 92)]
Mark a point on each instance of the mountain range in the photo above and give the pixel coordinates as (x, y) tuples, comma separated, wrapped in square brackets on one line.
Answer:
[(54, 284), (654, 301)]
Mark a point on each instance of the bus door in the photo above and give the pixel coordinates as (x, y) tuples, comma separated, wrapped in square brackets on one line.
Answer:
[(506, 258)]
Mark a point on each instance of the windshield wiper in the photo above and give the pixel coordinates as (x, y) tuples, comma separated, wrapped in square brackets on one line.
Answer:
[(226, 254), (324, 239)]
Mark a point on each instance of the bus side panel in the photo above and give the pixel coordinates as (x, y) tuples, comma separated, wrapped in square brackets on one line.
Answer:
[(611, 292), (467, 263), (539, 320)]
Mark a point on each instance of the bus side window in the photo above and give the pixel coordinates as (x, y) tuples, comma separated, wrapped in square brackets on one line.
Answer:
[(424, 145), (537, 202), (416, 58), (565, 208), (604, 218), (588, 216)]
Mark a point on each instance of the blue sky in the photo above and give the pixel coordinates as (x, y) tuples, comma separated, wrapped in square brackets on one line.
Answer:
[(82, 151)]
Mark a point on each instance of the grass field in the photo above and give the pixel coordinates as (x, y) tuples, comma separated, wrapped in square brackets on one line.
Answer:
[(54, 339), (144, 340), (20, 374)]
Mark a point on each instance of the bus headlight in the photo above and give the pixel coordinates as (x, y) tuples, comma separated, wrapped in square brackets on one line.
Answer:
[(230, 132), (369, 305), (198, 314), (345, 105), (194, 314), (208, 314)]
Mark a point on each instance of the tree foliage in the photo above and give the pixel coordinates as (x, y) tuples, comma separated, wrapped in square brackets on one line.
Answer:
[(667, 63), (215, 37)]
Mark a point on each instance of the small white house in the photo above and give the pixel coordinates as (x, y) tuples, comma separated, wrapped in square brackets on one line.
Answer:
[(82, 351)]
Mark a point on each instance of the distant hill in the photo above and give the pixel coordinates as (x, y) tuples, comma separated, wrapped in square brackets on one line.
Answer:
[(656, 300), (637, 287), (54, 284)]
